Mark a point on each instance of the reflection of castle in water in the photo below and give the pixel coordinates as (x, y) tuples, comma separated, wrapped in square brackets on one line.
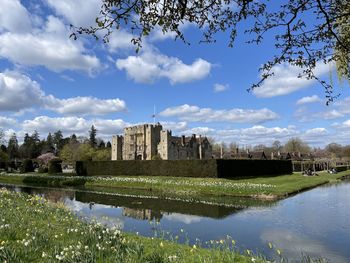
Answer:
[(142, 214), (153, 208)]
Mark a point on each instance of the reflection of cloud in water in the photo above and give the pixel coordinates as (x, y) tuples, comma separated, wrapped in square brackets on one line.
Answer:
[(294, 245), (100, 213), (187, 219)]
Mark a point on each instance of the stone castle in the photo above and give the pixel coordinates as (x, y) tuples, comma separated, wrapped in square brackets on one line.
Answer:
[(147, 142)]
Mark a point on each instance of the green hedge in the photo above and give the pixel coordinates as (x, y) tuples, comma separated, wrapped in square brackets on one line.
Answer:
[(245, 168), (186, 168), (55, 166), (341, 168), (27, 166)]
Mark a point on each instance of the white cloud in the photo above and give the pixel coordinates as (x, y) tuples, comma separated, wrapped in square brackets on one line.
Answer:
[(77, 12), (316, 132), (194, 113), (187, 219), (151, 66), (308, 99), (344, 125), (7, 122), (343, 105), (256, 135), (332, 114), (316, 136), (220, 87), (19, 92), (121, 40), (14, 17), (285, 80), (174, 126), (206, 131), (48, 45), (84, 105), (70, 125)]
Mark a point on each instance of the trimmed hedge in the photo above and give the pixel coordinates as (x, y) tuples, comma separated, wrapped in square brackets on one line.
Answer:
[(27, 166), (55, 166), (186, 168), (341, 168)]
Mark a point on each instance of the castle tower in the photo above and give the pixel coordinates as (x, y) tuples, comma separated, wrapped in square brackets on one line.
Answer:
[(117, 147)]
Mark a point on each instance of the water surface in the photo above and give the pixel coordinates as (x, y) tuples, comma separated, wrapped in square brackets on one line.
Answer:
[(316, 222)]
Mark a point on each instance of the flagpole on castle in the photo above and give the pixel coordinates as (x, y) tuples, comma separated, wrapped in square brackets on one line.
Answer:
[(154, 115)]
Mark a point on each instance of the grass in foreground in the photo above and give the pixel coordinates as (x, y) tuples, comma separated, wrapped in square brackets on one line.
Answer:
[(35, 230)]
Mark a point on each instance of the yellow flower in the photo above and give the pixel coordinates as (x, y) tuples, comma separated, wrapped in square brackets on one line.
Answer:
[(161, 244)]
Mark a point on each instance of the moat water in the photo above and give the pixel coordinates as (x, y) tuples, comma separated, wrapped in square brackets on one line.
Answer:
[(316, 222)]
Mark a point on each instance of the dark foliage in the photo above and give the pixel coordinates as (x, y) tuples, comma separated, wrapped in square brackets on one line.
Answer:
[(55, 166), (27, 166)]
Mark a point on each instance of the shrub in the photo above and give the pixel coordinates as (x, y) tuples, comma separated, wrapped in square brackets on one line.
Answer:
[(341, 168), (43, 169), (55, 166), (27, 166)]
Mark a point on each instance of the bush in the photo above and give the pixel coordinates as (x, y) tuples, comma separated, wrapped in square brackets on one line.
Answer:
[(341, 168), (27, 166), (55, 166), (43, 169)]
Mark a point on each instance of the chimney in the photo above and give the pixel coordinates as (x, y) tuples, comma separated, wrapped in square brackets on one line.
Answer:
[(183, 140)]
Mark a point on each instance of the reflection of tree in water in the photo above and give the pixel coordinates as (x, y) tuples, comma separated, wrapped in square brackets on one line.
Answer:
[(53, 195), (142, 214)]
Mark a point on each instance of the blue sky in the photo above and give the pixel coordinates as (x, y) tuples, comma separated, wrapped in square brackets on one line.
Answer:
[(50, 82)]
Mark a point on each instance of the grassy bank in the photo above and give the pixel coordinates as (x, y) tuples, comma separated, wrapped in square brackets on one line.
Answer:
[(267, 188), (260, 187), (35, 230)]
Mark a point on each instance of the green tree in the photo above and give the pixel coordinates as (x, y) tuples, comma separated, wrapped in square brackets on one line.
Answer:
[(296, 145), (102, 155), (58, 140), (73, 152), (101, 144), (31, 147), (3, 156), (49, 144), (342, 55), (92, 138), (85, 152), (304, 31), (2, 137), (12, 147)]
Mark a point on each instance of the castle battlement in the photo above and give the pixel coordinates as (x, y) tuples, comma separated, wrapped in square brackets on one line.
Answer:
[(148, 141)]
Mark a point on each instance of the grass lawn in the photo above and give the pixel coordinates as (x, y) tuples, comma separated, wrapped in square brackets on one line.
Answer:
[(267, 188), (261, 187), (35, 230)]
